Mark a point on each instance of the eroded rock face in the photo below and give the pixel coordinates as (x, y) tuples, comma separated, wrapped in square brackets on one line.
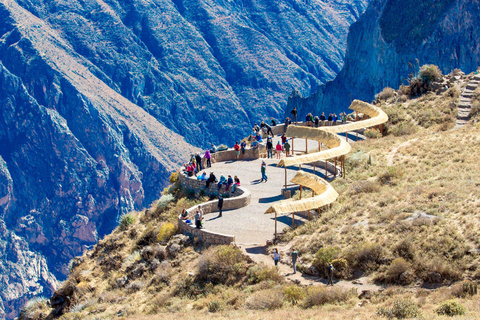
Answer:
[(88, 89), (389, 35)]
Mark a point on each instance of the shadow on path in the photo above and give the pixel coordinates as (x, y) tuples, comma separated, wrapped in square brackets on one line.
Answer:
[(271, 199), (257, 250), (256, 181), (288, 220), (214, 218)]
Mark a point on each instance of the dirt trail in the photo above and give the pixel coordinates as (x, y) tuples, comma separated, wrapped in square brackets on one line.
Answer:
[(392, 154), (259, 255)]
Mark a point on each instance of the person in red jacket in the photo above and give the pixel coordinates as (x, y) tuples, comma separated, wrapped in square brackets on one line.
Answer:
[(279, 149), (237, 150)]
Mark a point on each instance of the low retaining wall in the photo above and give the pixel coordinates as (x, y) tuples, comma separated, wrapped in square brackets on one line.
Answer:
[(240, 198)]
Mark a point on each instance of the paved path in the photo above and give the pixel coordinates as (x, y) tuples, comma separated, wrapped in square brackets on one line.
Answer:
[(465, 102), (249, 224)]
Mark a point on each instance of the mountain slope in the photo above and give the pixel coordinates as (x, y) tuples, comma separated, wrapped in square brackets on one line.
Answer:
[(390, 35)]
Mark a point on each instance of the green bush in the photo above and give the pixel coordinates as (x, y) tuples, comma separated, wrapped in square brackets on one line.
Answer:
[(430, 73), (259, 273), (341, 268), (270, 299), (222, 264), (365, 257), (395, 269), (318, 296), (451, 308), (403, 129), (372, 133), (167, 230), (126, 220), (174, 177), (293, 293), (385, 94), (215, 306), (323, 258), (401, 309)]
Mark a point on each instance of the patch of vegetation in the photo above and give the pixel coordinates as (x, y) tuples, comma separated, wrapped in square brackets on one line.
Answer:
[(451, 308), (401, 309)]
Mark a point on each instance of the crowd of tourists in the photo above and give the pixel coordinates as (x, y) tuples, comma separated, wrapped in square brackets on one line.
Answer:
[(318, 121)]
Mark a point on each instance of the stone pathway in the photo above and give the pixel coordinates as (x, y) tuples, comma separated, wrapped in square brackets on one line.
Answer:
[(465, 101)]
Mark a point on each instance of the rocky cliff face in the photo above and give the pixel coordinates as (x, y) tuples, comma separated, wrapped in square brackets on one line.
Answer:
[(389, 35), (96, 96)]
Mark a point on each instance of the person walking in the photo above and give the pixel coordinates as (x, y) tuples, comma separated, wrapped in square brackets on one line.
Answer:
[(294, 260), (198, 159), (263, 169), (330, 271), (279, 149), (276, 257), (220, 205), (269, 148)]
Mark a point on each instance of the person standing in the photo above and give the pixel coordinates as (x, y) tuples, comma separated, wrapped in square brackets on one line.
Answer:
[(237, 150), (220, 205), (208, 156), (263, 169), (284, 138), (330, 271), (294, 260), (269, 148), (199, 218), (243, 145), (330, 119), (276, 257), (198, 159), (211, 179), (274, 122), (279, 149), (294, 114), (287, 148), (322, 118)]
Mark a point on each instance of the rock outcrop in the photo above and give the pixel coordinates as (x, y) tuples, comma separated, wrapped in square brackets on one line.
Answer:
[(390, 35), (95, 97)]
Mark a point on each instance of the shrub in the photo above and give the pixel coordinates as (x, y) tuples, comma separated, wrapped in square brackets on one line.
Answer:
[(365, 257), (401, 309), (126, 220), (167, 230), (323, 258), (293, 293), (403, 129), (404, 249), (222, 264), (465, 289), (365, 186), (259, 273), (430, 73), (451, 308), (390, 174), (372, 133), (215, 306), (385, 94), (317, 296), (174, 177), (341, 268), (395, 269), (270, 299)]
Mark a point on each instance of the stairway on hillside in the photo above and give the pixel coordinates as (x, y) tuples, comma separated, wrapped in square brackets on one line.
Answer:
[(465, 101)]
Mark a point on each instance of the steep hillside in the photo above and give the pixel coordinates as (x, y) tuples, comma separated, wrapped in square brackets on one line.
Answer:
[(93, 91), (404, 230), (386, 45)]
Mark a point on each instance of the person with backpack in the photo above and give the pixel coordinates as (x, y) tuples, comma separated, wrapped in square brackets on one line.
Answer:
[(243, 145), (286, 146), (199, 218), (330, 271)]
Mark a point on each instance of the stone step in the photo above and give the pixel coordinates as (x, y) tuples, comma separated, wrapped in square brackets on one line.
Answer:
[(465, 101), (465, 118), (464, 105), (467, 95), (463, 115), (476, 77), (471, 86)]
